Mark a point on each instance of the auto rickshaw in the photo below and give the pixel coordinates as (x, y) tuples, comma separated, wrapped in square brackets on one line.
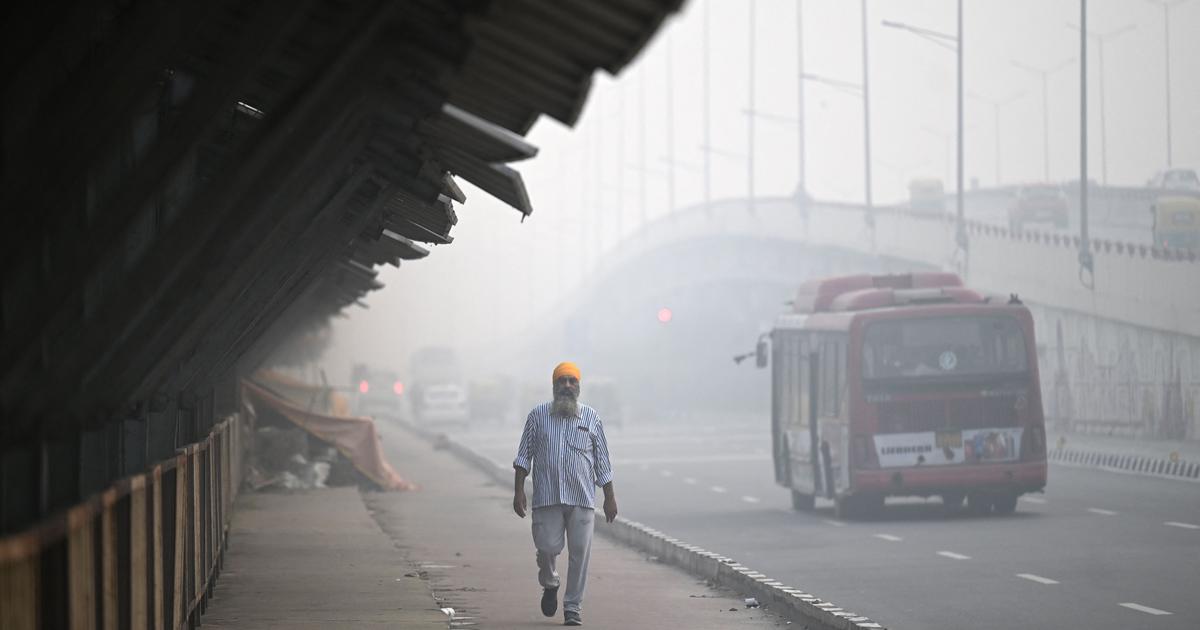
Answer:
[(1176, 222)]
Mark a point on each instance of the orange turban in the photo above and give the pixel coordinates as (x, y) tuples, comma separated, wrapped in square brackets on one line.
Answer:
[(566, 368)]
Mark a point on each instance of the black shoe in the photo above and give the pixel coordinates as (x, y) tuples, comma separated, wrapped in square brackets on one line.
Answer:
[(572, 618), (550, 601)]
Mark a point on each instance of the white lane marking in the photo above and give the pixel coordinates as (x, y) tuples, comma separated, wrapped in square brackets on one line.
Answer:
[(834, 523), (666, 473), (1037, 578), (1037, 500), (718, 489), (689, 481), (1183, 525), (1100, 511), (889, 537), (1145, 609), (953, 556), (749, 499), (644, 467)]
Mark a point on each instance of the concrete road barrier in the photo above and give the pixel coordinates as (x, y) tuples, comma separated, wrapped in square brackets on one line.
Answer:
[(1169, 467), (807, 610)]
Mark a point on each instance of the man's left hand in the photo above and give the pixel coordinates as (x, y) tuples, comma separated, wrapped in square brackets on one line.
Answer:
[(610, 508)]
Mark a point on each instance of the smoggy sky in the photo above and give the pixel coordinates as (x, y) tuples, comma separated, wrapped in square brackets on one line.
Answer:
[(587, 184)]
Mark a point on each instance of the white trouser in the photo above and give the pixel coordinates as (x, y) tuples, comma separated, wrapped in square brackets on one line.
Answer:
[(551, 526)]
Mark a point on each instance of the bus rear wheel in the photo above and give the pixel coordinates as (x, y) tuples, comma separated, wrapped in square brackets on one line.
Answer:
[(859, 505), (803, 501), (952, 502), (1005, 503), (979, 503)]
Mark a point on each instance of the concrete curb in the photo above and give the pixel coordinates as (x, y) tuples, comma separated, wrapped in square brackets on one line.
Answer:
[(813, 613), (1136, 464)]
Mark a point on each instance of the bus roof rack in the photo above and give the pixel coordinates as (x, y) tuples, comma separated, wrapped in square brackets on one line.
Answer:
[(864, 291)]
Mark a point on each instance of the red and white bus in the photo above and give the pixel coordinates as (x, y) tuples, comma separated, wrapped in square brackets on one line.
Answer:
[(905, 385)]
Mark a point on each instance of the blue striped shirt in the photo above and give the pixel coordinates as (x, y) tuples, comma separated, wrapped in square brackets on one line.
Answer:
[(567, 457)]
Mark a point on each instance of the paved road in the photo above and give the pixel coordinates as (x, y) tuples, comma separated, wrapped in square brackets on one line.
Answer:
[(1098, 550)]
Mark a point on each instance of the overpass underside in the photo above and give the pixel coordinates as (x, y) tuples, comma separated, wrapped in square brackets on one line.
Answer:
[(191, 188)]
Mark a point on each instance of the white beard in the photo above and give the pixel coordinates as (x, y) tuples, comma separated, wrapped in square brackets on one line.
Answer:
[(564, 406)]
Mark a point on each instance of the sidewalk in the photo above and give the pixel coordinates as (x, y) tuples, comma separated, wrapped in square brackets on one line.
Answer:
[(319, 560), (314, 560), (479, 559)]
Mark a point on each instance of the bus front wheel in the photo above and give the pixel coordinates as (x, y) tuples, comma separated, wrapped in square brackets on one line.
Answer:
[(979, 503), (803, 501)]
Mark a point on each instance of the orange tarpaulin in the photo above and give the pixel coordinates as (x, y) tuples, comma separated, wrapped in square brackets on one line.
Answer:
[(355, 438)]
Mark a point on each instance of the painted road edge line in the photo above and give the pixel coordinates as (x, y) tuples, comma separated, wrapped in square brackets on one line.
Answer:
[(792, 603), (1146, 609), (1036, 578), (953, 556), (1181, 525)]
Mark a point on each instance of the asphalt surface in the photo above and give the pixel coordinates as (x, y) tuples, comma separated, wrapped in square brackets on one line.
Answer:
[(1097, 550)]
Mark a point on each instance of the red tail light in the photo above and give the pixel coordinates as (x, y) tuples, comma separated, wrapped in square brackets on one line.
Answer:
[(398, 387), (364, 387)]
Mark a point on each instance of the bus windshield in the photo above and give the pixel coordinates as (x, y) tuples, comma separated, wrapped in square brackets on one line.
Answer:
[(943, 346)]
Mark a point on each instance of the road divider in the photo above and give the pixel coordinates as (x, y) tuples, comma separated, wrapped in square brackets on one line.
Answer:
[(1172, 467), (795, 604)]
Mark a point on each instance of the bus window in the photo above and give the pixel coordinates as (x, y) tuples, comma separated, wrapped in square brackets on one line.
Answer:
[(943, 346)]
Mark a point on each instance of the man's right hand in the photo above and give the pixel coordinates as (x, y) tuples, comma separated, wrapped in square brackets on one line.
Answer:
[(519, 504)]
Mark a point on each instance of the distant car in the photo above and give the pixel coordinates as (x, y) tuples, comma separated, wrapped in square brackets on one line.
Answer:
[(438, 391), (926, 195), (443, 403), (377, 391), (1175, 179), (1038, 203), (1176, 221)]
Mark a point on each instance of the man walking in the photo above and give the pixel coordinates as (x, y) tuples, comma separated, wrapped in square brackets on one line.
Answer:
[(563, 444)]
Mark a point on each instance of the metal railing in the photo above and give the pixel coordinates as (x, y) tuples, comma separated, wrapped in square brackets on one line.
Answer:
[(144, 553)]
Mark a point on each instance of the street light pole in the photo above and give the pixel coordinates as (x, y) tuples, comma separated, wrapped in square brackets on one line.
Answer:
[(1044, 75), (1085, 252), (996, 105), (802, 186), (960, 234), (670, 131), (954, 43), (642, 144), (1166, 7), (1102, 40), (866, 94), (705, 98), (750, 118)]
